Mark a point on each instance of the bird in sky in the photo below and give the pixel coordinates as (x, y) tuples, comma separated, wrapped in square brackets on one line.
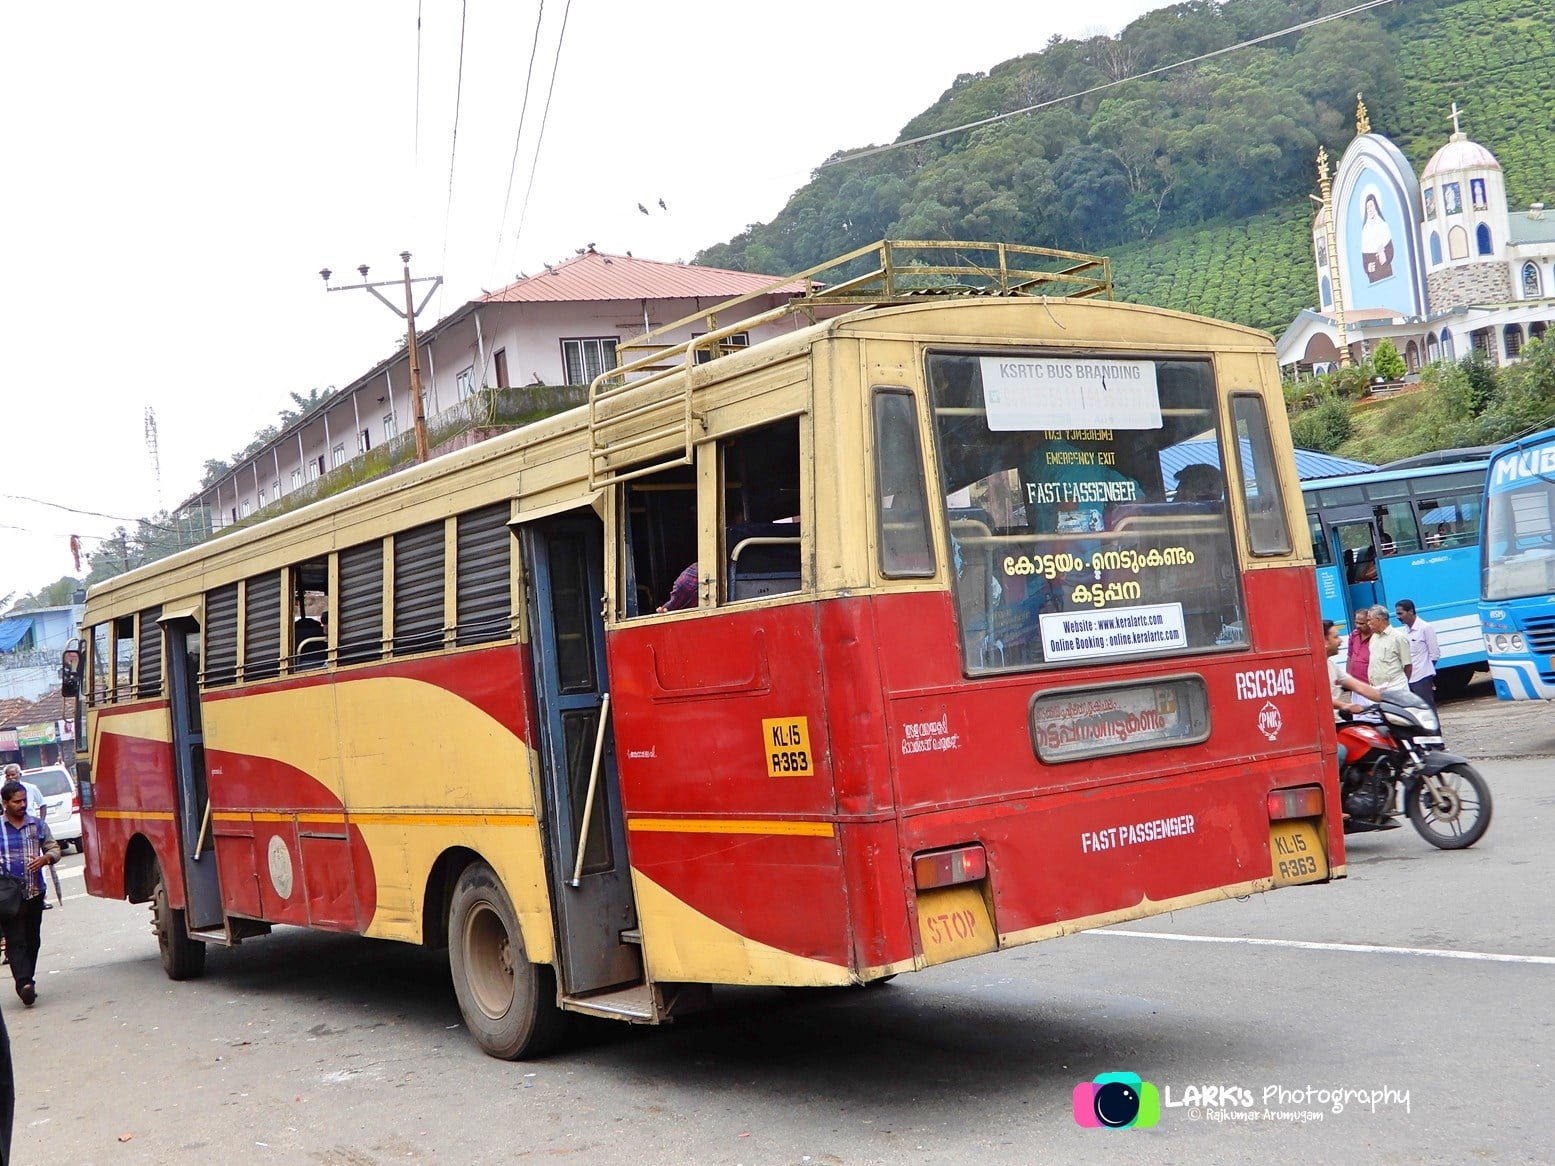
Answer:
[(642, 208), (662, 207)]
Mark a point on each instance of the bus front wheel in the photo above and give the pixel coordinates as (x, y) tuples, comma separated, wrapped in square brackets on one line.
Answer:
[(509, 1004), (182, 958)]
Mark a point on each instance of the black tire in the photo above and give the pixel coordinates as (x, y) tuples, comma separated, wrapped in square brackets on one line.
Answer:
[(509, 1004), (182, 958), (1461, 822)]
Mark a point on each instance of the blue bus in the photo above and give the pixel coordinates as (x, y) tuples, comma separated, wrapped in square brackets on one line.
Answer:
[(1406, 530), (1517, 598)]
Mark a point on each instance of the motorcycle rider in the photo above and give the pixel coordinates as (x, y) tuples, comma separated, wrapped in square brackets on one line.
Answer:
[(1341, 681)]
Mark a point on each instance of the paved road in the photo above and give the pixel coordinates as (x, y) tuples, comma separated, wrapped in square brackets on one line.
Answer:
[(305, 1048)]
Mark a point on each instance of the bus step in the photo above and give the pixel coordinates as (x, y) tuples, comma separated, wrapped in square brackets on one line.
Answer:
[(635, 935), (216, 935), (632, 1002)]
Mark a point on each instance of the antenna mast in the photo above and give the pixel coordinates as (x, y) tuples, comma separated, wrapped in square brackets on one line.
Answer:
[(156, 456)]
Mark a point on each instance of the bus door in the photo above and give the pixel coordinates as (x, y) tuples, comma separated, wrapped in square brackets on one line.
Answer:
[(1357, 550), (564, 563), (202, 888)]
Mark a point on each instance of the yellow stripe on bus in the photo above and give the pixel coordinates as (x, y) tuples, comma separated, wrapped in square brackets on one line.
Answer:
[(732, 826), (151, 815), (410, 818)]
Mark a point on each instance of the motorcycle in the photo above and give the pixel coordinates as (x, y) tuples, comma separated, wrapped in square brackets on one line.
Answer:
[(1395, 744)]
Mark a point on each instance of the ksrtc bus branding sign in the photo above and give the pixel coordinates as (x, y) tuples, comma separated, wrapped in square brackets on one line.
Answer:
[(1030, 393), (1513, 469), (787, 742)]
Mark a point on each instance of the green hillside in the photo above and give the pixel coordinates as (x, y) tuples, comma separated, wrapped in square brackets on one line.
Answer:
[(1195, 182)]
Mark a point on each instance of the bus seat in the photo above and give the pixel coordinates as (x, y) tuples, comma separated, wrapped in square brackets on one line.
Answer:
[(763, 559)]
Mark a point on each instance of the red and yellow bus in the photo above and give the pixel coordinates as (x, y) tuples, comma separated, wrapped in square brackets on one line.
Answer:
[(973, 660)]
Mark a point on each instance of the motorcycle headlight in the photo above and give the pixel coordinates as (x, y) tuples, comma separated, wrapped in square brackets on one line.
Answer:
[(1429, 720)]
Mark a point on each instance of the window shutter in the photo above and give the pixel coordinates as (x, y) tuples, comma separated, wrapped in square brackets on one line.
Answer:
[(360, 607), (485, 548), (221, 636), (418, 589), (150, 652), (262, 627)]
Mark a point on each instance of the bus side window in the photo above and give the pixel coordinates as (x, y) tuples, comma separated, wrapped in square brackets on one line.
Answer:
[(1267, 532), (309, 612), (901, 511), (1320, 553), (150, 652), (359, 606), (221, 636), (659, 530), (102, 683), (483, 576), (124, 658), (761, 510), (262, 627)]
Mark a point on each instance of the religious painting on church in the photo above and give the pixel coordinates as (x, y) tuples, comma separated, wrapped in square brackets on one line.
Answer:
[(1452, 198), (1430, 202), (1377, 249), (1322, 253), (1477, 194)]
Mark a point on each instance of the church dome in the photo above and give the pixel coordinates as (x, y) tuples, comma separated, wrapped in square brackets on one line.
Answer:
[(1459, 154)]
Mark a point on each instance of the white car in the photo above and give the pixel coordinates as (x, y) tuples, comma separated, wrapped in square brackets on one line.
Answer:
[(61, 803)]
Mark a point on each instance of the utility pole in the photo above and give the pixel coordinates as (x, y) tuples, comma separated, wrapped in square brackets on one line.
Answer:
[(408, 314)]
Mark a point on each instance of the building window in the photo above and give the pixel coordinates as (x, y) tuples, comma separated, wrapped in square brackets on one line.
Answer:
[(1433, 350), (1480, 339), (1452, 198), (466, 382), (388, 426), (1449, 349), (248, 508), (725, 346), (499, 361), (261, 499), (1412, 357), (296, 478), (585, 359), (1436, 248), (1531, 284), (1326, 290), (275, 490), (337, 456), (1536, 330), (1482, 239), (363, 442), (1512, 337), (1457, 243), (313, 470)]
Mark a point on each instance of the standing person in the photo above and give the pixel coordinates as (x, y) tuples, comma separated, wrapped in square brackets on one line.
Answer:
[(26, 847), (1389, 664), (1358, 657), (1424, 651), (13, 772)]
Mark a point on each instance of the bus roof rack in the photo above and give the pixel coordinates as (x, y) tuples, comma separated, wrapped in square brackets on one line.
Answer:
[(882, 273)]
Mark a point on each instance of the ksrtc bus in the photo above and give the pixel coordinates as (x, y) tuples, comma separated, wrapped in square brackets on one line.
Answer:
[(1405, 532), (958, 675), (1517, 600)]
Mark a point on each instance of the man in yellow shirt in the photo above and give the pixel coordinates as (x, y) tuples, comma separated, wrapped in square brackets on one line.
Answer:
[(1391, 659)]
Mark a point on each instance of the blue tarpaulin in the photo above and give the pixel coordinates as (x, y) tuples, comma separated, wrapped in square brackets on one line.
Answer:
[(12, 631)]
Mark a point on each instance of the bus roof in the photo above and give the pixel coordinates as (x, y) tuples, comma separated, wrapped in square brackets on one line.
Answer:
[(1393, 475)]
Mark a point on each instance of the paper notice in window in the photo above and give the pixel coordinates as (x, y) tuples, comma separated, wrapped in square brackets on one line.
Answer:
[(1030, 393), (1118, 631)]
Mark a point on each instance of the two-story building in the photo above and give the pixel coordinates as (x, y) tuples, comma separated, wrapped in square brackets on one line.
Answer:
[(30, 647), (559, 328)]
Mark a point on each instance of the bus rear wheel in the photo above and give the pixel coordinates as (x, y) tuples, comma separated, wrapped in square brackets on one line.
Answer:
[(182, 958), (509, 1004)]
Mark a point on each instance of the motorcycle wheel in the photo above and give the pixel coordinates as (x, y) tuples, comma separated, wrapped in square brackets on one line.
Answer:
[(1464, 815)]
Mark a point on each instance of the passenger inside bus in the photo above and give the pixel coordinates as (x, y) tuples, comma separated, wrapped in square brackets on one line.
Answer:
[(1200, 482)]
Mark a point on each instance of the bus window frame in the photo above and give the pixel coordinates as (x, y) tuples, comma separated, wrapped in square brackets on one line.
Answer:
[(878, 555), (1263, 460)]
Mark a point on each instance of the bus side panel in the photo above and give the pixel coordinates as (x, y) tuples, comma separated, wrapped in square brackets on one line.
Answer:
[(1444, 586), (132, 793), (1331, 596)]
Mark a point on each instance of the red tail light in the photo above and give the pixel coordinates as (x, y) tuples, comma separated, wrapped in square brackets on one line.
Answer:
[(75, 803), (1303, 802), (946, 868)]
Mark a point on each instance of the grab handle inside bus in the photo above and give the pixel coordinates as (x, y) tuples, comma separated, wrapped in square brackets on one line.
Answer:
[(205, 824), (588, 798)]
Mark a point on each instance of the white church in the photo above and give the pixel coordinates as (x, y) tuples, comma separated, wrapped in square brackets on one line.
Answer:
[(1438, 265)]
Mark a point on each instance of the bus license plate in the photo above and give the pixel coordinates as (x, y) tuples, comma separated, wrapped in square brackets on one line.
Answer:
[(953, 922), (1296, 850)]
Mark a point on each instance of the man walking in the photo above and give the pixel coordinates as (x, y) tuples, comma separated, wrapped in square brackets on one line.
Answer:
[(26, 847), (1424, 651), (1389, 664)]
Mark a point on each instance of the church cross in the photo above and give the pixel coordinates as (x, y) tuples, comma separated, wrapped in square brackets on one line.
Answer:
[(1455, 111)]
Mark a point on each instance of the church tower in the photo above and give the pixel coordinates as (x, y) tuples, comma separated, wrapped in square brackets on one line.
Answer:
[(1464, 224)]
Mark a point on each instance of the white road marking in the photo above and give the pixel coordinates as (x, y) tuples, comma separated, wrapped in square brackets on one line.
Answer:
[(1368, 948)]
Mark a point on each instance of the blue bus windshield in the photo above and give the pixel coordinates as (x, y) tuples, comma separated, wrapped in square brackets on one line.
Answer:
[(1519, 560)]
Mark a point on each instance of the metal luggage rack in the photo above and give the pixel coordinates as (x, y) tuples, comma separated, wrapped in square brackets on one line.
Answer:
[(645, 411)]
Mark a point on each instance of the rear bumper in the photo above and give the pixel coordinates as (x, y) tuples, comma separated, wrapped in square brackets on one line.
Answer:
[(1069, 861)]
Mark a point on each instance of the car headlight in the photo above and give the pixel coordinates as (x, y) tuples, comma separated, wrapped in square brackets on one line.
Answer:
[(1518, 644)]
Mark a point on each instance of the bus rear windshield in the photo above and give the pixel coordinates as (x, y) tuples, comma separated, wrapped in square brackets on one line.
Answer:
[(1086, 508)]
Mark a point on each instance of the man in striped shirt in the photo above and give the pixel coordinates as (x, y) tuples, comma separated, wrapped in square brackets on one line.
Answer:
[(26, 847)]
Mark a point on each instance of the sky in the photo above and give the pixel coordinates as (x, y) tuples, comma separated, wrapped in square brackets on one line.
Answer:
[(180, 172)]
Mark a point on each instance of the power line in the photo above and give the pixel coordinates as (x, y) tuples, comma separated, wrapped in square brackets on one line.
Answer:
[(972, 125), (534, 166), (523, 111), (453, 145), (88, 513)]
